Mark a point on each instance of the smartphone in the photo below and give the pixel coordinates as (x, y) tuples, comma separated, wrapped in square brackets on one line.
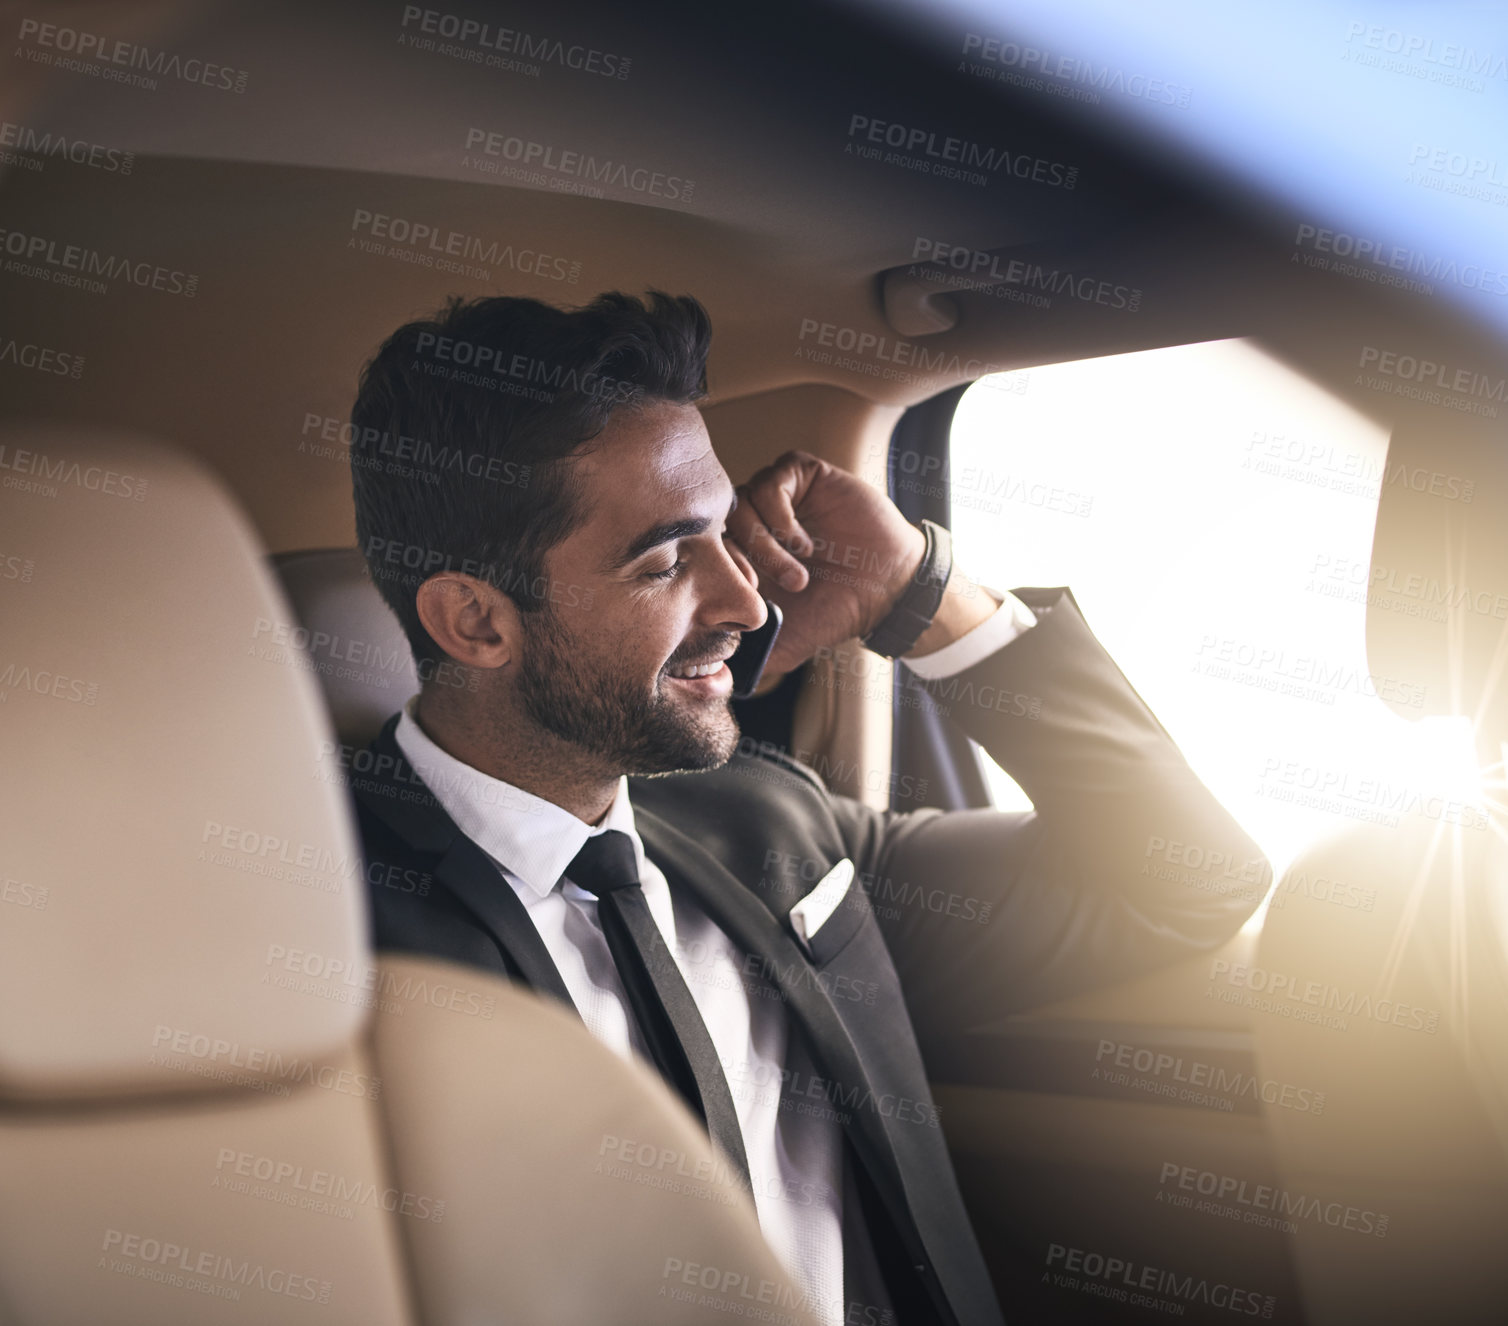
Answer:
[(747, 663)]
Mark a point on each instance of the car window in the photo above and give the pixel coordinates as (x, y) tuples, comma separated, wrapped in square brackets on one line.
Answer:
[(1212, 511)]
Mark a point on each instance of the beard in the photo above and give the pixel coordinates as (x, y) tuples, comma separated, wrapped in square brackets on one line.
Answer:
[(606, 713)]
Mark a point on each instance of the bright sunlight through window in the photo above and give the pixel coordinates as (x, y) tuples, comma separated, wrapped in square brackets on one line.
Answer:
[(1212, 512)]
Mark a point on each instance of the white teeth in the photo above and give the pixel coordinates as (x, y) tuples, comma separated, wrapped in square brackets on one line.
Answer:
[(701, 670)]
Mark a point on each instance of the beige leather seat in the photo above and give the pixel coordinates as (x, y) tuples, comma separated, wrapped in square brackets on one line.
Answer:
[(214, 1107), (1385, 968)]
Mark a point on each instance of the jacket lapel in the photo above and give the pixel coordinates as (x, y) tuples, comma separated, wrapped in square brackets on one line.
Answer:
[(463, 868), (468, 872), (753, 928)]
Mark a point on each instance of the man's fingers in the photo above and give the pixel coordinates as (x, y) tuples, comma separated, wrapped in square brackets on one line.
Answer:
[(774, 536), (775, 491), (762, 548)]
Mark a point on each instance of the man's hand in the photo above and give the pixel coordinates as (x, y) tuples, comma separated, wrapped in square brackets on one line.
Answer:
[(834, 554)]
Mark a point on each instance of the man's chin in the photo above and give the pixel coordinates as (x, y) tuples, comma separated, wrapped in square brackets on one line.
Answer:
[(693, 745)]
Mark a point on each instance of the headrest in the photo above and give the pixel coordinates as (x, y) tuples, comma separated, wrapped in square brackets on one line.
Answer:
[(169, 826), (351, 641), (1437, 589)]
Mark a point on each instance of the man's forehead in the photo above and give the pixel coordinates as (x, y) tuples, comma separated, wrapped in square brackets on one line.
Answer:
[(651, 463)]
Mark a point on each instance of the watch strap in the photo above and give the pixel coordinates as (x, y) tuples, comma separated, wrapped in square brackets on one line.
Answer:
[(919, 601)]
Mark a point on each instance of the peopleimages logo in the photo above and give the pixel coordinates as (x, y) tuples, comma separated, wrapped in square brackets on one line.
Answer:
[(1285, 992), (1431, 373), (1128, 1281), (1474, 169), (1378, 253), (180, 1049), (411, 564), (878, 355), (1321, 464), (948, 157), (1026, 65), (425, 244), (1303, 676), (1341, 790), (1369, 43), (543, 163), (1196, 1081), (401, 454), (1281, 1206), (982, 269), (489, 360), (488, 44), (107, 58), (34, 147), (48, 472), (325, 1192), (202, 1270), (77, 265), (40, 358)]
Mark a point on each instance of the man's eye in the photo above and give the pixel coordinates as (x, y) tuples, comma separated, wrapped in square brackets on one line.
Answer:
[(669, 573)]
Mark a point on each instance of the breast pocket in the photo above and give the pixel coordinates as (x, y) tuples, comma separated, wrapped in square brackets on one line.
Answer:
[(826, 920)]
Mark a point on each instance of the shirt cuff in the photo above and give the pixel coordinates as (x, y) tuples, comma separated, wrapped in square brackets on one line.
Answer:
[(995, 632)]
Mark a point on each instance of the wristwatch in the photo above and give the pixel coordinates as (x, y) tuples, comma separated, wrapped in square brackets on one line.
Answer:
[(920, 600)]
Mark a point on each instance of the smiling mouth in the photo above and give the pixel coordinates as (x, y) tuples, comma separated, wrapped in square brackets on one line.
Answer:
[(706, 668), (693, 671)]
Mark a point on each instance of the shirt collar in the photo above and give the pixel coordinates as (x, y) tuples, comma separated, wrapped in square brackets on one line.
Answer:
[(534, 840)]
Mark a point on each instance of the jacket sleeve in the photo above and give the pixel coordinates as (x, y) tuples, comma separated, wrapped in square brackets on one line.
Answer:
[(990, 912)]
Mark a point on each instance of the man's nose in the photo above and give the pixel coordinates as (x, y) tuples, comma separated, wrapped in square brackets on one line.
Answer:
[(744, 608)]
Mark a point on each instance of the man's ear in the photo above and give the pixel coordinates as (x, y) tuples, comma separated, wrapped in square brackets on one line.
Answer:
[(472, 621)]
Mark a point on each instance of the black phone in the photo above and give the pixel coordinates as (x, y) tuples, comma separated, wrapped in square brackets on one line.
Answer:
[(747, 663)]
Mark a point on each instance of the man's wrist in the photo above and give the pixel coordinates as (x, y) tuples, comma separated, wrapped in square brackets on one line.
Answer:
[(903, 573), (965, 605), (910, 611)]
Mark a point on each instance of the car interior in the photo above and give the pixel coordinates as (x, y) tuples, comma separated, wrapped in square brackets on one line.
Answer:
[(943, 248)]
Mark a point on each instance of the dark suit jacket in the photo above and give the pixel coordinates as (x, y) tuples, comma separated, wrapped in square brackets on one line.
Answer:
[(957, 917)]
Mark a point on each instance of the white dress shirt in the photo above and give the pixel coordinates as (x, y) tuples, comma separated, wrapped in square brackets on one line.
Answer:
[(1008, 621), (795, 1155)]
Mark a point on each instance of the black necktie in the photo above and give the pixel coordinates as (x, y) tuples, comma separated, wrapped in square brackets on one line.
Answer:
[(667, 1015)]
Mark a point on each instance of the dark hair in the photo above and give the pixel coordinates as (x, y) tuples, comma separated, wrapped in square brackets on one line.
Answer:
[(465, 426)]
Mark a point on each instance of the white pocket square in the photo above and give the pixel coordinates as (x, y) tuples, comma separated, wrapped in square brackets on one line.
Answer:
[(810, 914)]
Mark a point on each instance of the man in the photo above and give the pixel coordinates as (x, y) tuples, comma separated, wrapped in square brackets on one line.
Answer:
[(573, 568)]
